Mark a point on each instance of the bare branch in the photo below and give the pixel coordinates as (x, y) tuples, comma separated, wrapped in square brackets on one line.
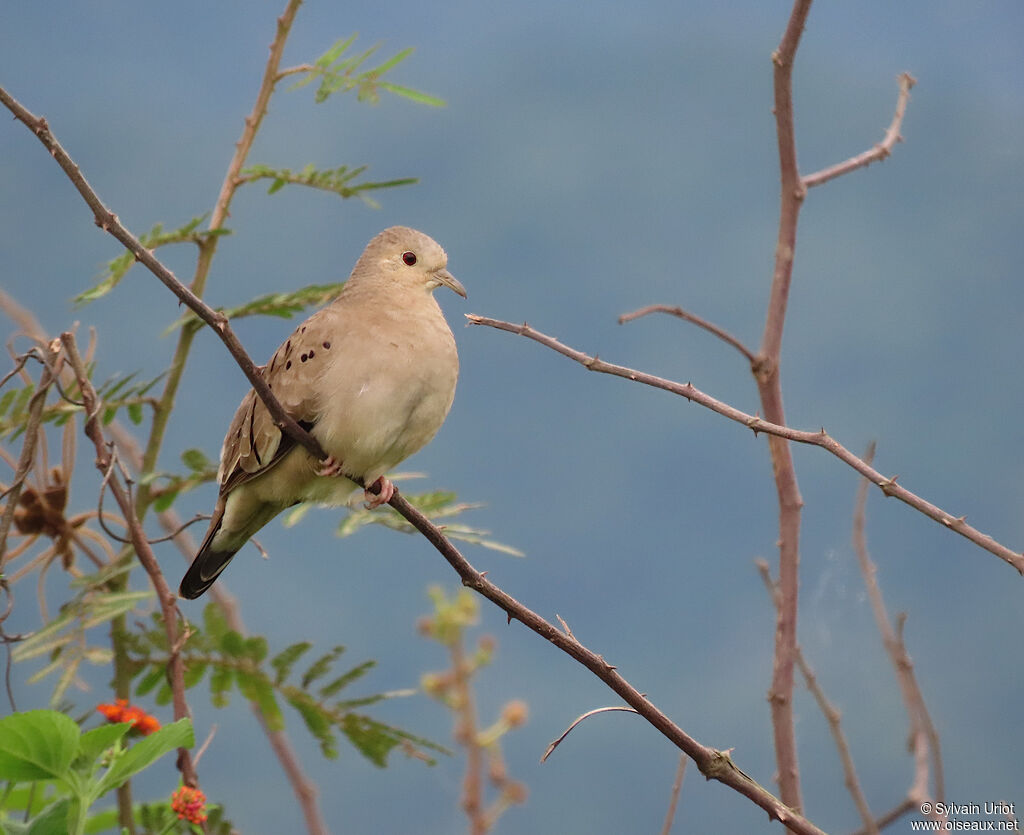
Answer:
[(924, 736), (166, 598), (677, 787), (831, 713), (882, 150), (821, 439), (769, 387), (685, 315)]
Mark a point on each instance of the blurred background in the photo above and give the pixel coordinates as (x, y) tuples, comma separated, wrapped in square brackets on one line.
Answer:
[(591, 159)]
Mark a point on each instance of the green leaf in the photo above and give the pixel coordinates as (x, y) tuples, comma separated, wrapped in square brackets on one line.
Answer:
[(373, 739), (135, 413), (156, 237), (220, 685), (53, 820), (415, 95), (37, 745), (150, 680), (286, 658), (317, 721), (146, 751), (394, 61), (164, 500), (337, 49), (320, 667), (341, 681), (214, 623), (196, 460), (256, 688), (98, 740), (233, 644), (194, 673)]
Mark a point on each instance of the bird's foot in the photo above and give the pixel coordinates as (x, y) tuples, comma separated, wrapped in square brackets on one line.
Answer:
[(330, 468), (382, 495)]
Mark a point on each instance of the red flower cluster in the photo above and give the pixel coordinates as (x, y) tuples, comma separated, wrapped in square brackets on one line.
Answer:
[(188, 803), (141, 721)]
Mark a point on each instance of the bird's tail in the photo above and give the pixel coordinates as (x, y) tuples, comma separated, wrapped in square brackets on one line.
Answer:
[(206, 567)]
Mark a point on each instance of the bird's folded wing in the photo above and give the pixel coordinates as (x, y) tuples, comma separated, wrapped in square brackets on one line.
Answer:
[(254, 443)]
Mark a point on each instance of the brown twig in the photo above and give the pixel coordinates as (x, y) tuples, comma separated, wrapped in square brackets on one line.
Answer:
[(166, 597), (830, 712), (769, 386), (893, 815), (756, 424), (882, 150), (28, 448), (673, 802), (465, 734), (685, 315), (923, 734)]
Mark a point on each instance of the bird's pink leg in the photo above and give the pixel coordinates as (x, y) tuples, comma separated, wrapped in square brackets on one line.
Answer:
[(385, 490), (329, 467)]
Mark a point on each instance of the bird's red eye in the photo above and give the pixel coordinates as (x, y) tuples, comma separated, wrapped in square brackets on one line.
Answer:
[(409, 258)]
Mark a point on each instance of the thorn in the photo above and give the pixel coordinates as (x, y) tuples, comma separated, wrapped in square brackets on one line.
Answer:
[(888, 484)]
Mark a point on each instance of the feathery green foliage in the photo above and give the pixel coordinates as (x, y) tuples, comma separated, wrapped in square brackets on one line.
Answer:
[(435, 505), (339, 72), (237, 662), (155, 237), (283, 305)]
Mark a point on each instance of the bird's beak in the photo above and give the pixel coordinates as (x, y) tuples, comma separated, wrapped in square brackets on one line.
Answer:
[(451, 282)]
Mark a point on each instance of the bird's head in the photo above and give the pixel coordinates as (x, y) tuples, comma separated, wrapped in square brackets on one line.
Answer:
[(409, 258)]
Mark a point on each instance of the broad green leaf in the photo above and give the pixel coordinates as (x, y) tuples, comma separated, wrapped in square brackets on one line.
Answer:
[(53, 820), (196, 460), (37, 745), (146, 751), (150, 680), (98, 740)]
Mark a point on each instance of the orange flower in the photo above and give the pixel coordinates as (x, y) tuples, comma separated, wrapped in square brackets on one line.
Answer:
[(142, 722), (188, 803)]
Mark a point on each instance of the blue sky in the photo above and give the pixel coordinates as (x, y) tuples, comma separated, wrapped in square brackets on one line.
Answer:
[(590, 161)]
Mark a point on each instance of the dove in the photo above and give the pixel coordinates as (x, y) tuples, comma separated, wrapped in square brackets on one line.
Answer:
[(371, 376)]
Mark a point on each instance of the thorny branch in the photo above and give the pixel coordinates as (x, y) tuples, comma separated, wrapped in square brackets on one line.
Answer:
[(881, 151), (831, 713), (887, 485), (924, 738)]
